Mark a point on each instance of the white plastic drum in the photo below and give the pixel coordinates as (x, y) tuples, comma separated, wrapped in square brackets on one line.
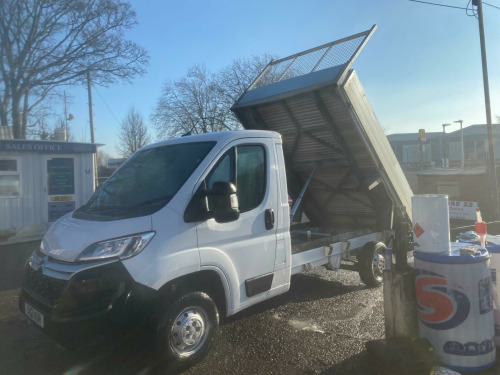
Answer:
[(455, 307), (431, 223), (493, 246)]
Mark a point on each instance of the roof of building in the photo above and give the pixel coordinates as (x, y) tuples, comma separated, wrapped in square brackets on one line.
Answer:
[(476, 129), (405, 137), (453, 171)]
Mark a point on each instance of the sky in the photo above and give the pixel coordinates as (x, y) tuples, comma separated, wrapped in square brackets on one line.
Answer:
[(420, 69)]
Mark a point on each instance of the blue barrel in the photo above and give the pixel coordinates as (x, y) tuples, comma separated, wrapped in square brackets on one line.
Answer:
[(493, 247), (455, 305)]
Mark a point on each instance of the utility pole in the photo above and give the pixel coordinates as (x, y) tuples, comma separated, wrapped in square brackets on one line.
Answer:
[(491, 150), (92, 140), (65, 118), (446, 153), (91, 115), (462, 141)]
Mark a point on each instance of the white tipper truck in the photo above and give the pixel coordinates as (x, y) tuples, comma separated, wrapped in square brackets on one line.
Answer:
[(198, 227)]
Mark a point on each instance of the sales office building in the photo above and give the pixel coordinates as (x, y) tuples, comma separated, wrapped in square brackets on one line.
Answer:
[(40, 181)]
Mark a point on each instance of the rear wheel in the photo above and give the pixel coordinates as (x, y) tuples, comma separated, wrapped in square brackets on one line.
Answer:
[(372, 263), (187, 329)]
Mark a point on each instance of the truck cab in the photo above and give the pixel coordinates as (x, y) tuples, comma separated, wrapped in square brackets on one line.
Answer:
[(205, 216)]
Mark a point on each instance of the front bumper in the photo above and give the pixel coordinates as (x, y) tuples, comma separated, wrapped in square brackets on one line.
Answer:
[(84, 302)]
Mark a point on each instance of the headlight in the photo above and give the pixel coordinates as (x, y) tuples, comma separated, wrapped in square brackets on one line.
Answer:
[(124, 247)]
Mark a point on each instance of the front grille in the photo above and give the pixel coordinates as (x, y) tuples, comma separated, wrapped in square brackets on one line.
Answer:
[(44, 286)]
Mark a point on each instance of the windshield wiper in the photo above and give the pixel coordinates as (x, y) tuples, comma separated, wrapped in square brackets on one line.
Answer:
[(125, 211), (102, 209), (146, 205)]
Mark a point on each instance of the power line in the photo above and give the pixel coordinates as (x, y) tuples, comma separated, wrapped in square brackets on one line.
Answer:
[(439, 5), (493, 6), (469, 10), (109, 109)]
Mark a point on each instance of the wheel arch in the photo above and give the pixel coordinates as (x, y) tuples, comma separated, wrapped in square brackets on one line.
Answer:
[(209, 280)]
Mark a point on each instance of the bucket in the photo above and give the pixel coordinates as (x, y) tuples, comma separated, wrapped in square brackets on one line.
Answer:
[(455, 306), (431, 219)]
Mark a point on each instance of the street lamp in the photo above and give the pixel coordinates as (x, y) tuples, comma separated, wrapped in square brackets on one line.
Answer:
[(462, 140), (446, 160)]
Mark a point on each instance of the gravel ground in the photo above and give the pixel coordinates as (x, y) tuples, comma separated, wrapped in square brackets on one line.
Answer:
[(319, 327)]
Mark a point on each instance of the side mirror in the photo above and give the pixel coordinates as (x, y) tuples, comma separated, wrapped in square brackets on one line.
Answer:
[(225, 202)]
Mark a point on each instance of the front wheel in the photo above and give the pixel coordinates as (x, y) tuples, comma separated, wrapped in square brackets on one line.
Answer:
[(372, 263), (187, 329)]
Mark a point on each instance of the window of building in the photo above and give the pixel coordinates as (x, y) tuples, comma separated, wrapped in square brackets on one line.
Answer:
[(450, 188), (10, 180)]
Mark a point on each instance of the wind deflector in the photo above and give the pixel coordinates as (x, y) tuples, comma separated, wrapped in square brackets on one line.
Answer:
[(306, 98)]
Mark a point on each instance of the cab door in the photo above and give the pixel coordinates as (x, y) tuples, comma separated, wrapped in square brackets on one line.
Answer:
[(244, 248)]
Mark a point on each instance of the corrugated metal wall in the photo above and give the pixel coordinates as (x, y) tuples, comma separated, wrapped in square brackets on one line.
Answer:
[(26, 216)]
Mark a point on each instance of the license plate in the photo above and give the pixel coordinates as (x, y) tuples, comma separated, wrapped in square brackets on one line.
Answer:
[(33, 314)]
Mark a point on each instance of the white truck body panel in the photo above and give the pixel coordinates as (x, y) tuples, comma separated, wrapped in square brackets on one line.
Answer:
[(68, 237), (173, 251), (245, 244), (376, 141), (321, 256)]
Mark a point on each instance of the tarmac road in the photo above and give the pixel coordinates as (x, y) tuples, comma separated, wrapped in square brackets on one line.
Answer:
[(318, 327)]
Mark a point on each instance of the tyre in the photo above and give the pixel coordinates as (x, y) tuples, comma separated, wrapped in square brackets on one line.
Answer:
[(186, 330), (372, 263)]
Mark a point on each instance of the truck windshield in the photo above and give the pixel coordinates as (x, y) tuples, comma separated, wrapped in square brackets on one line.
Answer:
[(145, 183)]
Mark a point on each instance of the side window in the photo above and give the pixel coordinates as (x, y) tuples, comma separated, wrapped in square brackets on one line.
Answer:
[(250, 176), (223, 171), (10, 185)]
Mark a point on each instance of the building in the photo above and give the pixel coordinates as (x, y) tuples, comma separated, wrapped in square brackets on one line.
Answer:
[(466, 187), (39, 182), (411, 154), (423, 165)]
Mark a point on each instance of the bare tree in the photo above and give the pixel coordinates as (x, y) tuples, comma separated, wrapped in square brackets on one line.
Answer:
[(191, 104), (102, 158), (44, 119), (133, 133), (45, 44), (201, 101), (234, 79), (39, 124)]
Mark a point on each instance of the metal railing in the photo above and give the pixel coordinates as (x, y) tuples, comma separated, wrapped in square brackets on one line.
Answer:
[(339, 52)]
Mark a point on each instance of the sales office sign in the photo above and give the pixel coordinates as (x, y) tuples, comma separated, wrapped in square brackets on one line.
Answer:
[(51, 147), (462, 210)]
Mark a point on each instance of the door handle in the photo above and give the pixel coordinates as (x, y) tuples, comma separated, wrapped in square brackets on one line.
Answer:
[(269, 219)]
